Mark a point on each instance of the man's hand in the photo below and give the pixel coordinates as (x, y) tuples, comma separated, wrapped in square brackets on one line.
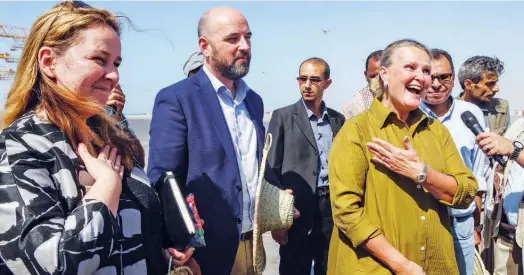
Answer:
[(477, 237), (179, 258), (296, 213), (280, 236), (494, 144)]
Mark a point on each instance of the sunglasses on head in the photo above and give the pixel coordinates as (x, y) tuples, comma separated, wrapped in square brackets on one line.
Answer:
[(442, 77), (73, 4), (313, 79)]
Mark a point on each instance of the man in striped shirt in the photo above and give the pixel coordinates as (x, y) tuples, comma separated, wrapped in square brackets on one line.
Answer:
[(362, 99)]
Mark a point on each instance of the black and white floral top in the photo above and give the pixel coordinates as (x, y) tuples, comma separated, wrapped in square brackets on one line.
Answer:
[(45, 225)]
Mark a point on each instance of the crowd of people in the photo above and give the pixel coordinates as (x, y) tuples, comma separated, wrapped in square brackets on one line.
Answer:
[(405, 179)]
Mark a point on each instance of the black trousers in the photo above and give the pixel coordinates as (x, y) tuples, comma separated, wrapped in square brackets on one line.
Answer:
[(297, 255)]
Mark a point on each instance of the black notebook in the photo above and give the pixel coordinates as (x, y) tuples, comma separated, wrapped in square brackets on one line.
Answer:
[(179, 226)]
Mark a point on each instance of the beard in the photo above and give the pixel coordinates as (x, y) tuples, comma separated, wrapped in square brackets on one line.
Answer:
[(231, 71)]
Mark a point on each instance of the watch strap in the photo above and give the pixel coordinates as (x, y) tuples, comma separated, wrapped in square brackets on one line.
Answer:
[(518, 146)]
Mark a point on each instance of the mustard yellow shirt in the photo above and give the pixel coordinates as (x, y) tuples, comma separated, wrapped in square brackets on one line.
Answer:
[(368, 200)]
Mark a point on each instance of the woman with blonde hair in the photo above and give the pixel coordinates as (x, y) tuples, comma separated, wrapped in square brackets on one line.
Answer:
[(73, 197), (392, 173)]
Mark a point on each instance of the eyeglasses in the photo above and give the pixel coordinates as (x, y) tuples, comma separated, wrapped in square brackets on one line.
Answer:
[(442, 77), (74, 4), (313, 79)]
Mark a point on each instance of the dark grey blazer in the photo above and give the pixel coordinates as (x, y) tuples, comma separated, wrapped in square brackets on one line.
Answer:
[(294, 156)]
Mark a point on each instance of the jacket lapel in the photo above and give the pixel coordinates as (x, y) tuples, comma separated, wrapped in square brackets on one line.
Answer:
[(216, 116), (334, 123), (303, 123)]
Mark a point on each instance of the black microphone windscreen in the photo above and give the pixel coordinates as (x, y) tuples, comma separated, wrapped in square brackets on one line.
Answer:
[(468, 118)]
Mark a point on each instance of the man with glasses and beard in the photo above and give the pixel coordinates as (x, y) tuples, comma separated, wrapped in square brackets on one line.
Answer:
[(440, 105), (208, 130), (302, 136)]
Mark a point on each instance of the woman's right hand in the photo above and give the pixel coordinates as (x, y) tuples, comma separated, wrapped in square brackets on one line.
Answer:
[(106, 166), (410, 268), (107, 171)]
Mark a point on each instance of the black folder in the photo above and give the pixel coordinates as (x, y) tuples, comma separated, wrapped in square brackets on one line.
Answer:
[(178, 224)]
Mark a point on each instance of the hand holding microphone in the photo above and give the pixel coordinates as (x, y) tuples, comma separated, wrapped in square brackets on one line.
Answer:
[(492, 144)]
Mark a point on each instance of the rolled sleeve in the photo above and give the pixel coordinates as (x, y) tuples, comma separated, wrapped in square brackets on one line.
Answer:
[(467, 185), (347, 180)]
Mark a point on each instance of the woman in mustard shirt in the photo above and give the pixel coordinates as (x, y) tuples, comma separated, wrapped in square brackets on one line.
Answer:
[(392, 172)]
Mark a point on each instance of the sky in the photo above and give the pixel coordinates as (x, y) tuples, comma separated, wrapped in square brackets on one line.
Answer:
[(286, 33)]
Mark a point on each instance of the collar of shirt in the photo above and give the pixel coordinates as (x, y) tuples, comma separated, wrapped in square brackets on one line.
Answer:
[(386, 116), (425, 108), (240, 85), (310, 113)]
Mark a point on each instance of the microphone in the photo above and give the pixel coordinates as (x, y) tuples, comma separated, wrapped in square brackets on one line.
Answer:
[(473, 124)]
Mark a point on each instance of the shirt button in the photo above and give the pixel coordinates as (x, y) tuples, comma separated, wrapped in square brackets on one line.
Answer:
[(423, 218), (239, 188), (238, 220), (422, 248), (418, 186), (314, 173), (316, 153)]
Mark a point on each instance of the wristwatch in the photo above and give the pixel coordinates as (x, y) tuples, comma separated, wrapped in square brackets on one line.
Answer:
[(423, 174), (518, 146)]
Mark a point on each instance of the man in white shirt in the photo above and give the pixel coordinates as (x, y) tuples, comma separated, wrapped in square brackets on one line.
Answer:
[(440, 105)]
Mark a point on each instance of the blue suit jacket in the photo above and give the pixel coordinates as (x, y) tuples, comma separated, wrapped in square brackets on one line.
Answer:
[(189, 136)]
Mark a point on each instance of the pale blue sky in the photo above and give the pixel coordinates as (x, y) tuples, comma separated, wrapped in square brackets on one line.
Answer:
[(286, 33)]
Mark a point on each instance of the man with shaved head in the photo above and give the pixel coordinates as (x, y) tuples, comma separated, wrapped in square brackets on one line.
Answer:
[(208, 130)]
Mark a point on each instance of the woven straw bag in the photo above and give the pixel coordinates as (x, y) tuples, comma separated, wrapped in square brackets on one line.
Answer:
[(274, 210)]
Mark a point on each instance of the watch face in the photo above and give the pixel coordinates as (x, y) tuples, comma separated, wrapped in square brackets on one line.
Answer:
[(421, 178)]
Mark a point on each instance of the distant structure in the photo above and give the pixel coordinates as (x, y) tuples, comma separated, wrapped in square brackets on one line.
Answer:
[(19, 36)]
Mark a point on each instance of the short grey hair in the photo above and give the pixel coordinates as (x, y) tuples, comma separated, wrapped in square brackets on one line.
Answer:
[(475, 66)]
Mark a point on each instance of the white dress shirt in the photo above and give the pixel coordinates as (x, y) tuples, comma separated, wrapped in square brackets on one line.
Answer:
[(244, 137)]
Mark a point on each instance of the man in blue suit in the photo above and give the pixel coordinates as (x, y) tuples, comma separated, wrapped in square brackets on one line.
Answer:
[(208, 130)]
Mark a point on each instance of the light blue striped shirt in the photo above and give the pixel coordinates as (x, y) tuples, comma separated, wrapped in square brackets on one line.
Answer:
[(244, 137)]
